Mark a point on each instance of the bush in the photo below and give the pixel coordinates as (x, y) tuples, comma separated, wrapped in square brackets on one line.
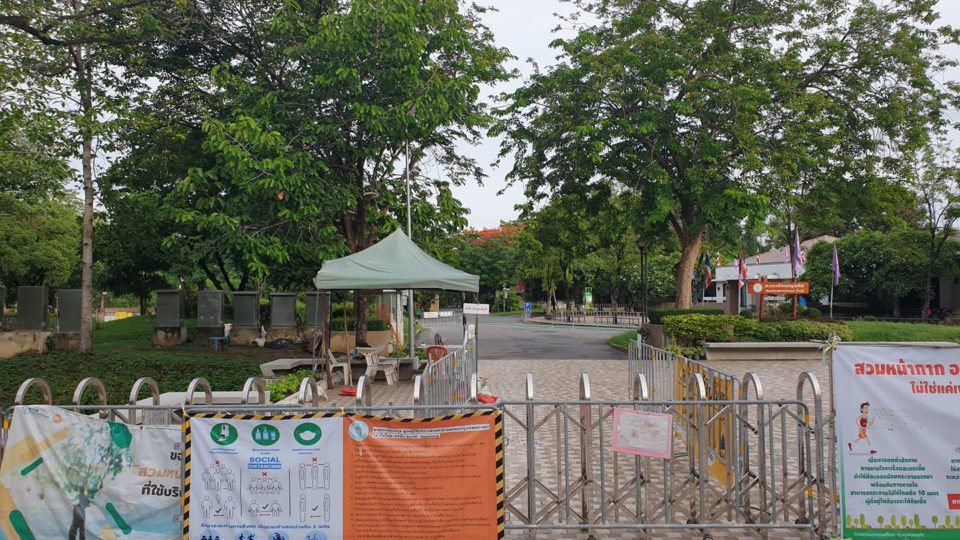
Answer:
[(282, 387), (694, 330), (686, 352), (373, 325), (812, 313), (748, 314), (656, 315)]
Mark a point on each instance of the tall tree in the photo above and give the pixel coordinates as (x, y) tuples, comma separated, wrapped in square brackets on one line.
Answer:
[(67, 58), (313, 144), (934, 176), (687, 102)]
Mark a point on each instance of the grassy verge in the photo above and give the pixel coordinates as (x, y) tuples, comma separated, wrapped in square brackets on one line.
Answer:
[(123, 352), (893, 331), (620, 340)]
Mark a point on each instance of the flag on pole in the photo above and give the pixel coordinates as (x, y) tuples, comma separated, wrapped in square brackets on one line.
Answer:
[(758, 259), (835, 266), (803, 258), (707, 271), (742, 267), (718, 262), (796, 252)]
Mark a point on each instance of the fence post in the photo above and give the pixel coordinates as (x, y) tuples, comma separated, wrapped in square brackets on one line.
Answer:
[(586, 450), (25, 387), (249, 385), (697, 387), (751, 380), (809, 377), (101, 393), (531, 458), (192, 388), (309, 383), (364, 394), (135, 393)]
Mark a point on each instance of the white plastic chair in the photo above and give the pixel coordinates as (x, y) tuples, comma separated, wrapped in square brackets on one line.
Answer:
[(342, 363), (389, 367)]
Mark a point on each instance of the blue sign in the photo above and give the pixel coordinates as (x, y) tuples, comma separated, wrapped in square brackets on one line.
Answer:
[(528, 307)]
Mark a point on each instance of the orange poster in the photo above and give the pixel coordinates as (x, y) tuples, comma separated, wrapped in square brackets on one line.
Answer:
[(422, 479)]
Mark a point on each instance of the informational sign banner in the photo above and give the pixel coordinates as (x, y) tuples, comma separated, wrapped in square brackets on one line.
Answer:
[(778, 287), (66, 475), (642, 433), (476, 309), (897, 425), (326, 477)]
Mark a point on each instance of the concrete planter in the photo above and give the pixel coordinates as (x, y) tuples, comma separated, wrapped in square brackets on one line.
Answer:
[(22, 341)]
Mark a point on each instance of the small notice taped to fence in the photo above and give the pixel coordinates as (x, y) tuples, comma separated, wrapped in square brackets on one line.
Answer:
[(642, 433)]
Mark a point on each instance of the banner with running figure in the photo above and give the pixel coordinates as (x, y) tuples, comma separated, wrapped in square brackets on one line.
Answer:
[(67, 475), (896, 416), (329, 476)]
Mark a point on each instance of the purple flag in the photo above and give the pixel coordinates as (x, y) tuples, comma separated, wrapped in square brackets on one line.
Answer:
[(835, 266), (796, 252)]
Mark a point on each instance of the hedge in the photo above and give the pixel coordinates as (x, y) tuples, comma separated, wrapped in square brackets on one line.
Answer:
[(693, 330), (373, 325), (656, 315)]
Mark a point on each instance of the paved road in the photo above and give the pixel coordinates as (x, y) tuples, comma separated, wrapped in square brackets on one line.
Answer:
[(508, 338)]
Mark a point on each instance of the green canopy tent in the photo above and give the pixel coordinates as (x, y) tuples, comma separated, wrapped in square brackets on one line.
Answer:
[(393, 263)]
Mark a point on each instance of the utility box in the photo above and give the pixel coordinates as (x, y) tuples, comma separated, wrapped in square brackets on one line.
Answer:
[(210, 306), (316, 308), (69, 310), (32, 308), (246, 309), (283, 310), (171, 309)]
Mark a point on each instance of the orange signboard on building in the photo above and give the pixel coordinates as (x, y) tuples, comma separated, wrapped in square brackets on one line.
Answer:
[(778, 287)]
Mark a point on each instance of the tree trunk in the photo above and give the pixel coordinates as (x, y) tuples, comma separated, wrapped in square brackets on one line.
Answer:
[(360, 314), (86, 133), (927, 291), (143, 302), (690, 245)]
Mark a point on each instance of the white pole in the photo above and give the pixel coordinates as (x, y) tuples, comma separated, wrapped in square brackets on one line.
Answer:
[(831, 297), (413, 336)]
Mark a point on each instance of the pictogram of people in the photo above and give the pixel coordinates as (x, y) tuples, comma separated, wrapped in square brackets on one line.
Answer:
[(864, 421), (206, 504)]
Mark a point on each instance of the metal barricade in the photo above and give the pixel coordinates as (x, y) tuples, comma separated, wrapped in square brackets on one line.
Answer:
[(562, 474), (451, 381)]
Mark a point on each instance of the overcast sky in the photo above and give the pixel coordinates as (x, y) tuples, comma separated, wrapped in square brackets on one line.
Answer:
[(525, 27)]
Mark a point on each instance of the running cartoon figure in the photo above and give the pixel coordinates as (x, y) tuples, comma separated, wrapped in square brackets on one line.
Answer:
[(863, 422)]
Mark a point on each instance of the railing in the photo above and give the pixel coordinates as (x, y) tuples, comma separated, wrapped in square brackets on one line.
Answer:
[(597, 317)]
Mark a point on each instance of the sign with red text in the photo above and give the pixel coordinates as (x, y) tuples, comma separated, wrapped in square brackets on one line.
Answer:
[(319, 477), (67, 475), (778, 287), (897, 410)]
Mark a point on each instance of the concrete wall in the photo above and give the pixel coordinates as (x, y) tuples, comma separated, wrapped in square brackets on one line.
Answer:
[(22, 341)]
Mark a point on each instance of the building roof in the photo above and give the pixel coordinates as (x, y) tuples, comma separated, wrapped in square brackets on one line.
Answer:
[(774, 264)]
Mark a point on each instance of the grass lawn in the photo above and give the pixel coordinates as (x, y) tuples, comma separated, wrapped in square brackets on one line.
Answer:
[(620, 340), (123, 352), (893, 331)]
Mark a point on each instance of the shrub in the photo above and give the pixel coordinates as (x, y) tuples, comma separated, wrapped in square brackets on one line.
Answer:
[(656, 315), (748, 314), (686, 352), (282, 387), (812, 313), (694, 330), (373, 325)]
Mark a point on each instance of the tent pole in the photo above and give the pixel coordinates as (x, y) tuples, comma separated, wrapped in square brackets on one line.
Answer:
[(413, 336)]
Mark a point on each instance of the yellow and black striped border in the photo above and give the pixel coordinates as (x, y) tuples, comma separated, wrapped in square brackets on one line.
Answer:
[(498, 446)]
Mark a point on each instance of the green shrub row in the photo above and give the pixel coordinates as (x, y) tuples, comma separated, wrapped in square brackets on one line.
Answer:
[(373, 325), (692, 331), (657, 315)]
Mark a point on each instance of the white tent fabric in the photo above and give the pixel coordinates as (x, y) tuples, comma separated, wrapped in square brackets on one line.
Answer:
[(393, 263)]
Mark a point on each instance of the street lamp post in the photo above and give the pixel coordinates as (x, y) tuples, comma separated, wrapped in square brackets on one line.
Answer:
[(410, 315)]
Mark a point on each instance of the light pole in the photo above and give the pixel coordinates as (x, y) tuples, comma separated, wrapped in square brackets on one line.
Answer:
[(413, 336)]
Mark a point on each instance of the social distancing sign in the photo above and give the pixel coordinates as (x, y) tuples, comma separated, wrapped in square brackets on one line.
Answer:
[(329, 476)]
